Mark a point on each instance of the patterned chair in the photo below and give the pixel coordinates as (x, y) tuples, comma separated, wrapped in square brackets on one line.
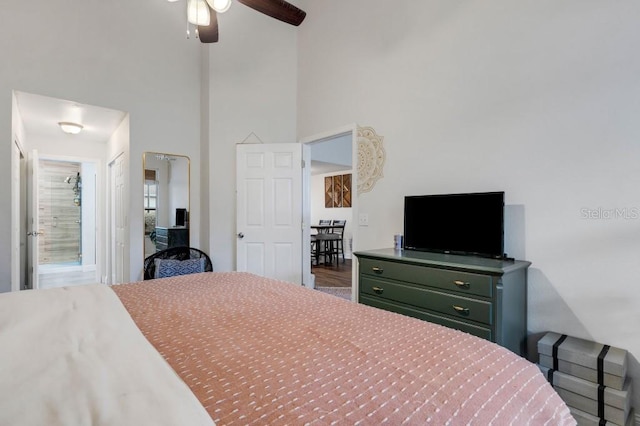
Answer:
[(176, 261)]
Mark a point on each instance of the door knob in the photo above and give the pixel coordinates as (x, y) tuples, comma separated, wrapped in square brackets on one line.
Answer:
[(240, 235)]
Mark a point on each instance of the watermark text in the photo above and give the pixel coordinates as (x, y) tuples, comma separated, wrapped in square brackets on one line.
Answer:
[(600, 213)]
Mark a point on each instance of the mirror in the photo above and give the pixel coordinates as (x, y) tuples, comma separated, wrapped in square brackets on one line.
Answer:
[(166, 201)]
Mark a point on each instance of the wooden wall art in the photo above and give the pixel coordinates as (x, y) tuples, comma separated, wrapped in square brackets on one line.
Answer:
[(337, 191)]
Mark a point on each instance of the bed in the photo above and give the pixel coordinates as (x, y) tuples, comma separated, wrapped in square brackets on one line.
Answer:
[(236, 349)]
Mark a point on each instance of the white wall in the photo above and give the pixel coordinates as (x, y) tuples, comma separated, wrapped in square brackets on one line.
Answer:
[(319, 211), (163, 216), (89, 210), (179, 184), (18, 234), (130, 56), (252, 88), (536, 98)]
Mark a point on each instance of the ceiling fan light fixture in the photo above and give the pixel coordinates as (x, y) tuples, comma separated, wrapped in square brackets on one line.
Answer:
[(70, 128), (220, 6), (198, 12)]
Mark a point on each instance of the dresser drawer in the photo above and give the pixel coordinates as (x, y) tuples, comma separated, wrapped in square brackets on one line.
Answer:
[(479, 331), (446, 303), (450, 280)]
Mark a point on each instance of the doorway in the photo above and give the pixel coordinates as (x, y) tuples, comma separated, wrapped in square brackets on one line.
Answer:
[(37, 127), (330, 198), (67, 219), (18, 218)]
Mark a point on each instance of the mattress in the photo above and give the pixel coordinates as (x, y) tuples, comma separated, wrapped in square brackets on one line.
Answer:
[(260, 351), (73, 356)]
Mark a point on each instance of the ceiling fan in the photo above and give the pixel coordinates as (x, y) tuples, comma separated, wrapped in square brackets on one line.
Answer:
[(204, 14)]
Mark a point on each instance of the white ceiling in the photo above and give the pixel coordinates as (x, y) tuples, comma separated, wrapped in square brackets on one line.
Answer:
[(331, 155), (322, 168), (41, 115)]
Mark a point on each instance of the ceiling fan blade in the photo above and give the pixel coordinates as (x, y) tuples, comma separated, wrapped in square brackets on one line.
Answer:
[(278, 9), (209, 33)]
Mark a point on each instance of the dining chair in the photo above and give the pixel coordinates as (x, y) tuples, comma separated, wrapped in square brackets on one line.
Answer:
[(322, 243), (324, 222), (338, 230)]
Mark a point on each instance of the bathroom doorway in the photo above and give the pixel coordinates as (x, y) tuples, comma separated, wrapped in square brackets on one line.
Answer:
[(67, 221)]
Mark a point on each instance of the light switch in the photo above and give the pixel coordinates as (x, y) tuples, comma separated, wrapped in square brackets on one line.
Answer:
[(363, 219)]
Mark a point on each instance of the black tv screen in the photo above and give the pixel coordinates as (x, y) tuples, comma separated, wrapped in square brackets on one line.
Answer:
[(470, 224)]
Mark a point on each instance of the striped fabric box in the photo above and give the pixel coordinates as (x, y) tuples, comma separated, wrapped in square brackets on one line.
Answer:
[(587, 397), (590, 377), (595, 362), (586, 419)]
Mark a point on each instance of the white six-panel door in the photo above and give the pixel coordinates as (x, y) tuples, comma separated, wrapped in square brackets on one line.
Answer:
[(269, 210)]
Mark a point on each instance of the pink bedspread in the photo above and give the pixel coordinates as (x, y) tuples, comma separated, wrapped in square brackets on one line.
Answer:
[(260, 351)]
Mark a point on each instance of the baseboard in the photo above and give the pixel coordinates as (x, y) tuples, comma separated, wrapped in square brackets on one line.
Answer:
[(88, 268)]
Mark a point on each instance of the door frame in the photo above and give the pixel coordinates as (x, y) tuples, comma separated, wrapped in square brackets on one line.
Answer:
[(306, 201), (18, 218), (100, 217), (110, 276)]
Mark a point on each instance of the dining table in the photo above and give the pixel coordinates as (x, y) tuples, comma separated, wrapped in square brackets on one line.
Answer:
[(326, 228)]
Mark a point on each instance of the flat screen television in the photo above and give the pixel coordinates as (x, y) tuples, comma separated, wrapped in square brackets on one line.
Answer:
[(468, 224)]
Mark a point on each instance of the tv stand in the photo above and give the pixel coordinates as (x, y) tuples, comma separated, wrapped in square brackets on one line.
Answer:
[(481, 296)]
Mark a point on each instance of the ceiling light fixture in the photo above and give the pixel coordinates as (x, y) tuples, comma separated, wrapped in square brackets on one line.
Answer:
[(198, 12), (71, 128), (220, 6), (203, 14)]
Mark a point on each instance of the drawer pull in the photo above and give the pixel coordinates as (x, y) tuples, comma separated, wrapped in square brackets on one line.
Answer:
[(378, 290), (461, 310), (462, 284), (377, 270)]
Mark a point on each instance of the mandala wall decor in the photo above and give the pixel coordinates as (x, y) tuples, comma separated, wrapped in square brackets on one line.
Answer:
[(371, 158)]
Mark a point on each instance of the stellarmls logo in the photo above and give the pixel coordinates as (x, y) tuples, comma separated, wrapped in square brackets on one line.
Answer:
[(627, 213)]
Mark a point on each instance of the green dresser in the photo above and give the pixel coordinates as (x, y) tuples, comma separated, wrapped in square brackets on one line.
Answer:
[(483, 297)]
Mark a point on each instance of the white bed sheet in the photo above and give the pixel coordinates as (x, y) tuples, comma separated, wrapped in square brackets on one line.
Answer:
[(73, 356)]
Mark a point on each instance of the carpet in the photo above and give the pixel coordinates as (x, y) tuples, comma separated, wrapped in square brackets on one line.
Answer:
[(343, 292)]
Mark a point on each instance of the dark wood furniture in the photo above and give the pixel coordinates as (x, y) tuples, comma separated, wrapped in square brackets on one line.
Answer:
[(171, 237), (328, 241), (483, 297), (338, 230), (320, 241)]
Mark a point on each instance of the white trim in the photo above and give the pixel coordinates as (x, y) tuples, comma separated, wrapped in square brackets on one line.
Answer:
[(330, 134), (320, 137), (54, 268), (16, 213), (101, 218)]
